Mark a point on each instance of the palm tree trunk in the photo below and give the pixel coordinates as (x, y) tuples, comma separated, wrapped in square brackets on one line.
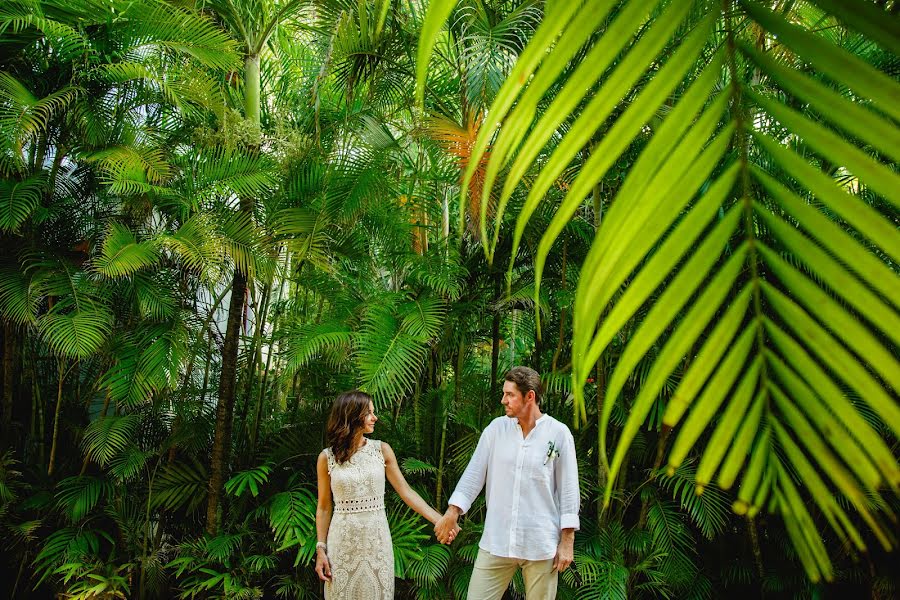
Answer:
[(252, 104), (602, 474), (41, 417), (227, 379), (225, 406), (457, 388), (495, 349), (264, 376), (562, 313), (254, 357), (59, 395), (9, 351)]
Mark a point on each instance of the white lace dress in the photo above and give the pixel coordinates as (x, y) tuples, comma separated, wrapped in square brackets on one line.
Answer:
[(359, 540)]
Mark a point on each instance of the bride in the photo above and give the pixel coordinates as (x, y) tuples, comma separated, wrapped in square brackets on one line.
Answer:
[(354, 555)]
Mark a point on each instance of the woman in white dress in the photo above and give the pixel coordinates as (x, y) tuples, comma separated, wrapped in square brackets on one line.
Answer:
[(354, 555)]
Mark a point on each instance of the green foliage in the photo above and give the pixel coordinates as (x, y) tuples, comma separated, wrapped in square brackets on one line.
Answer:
[(694, 203), (19, 200), (9, 483), (108, 437), (310, 341), (391, 347), (292, 517), (70, 545), (88, 581), (708, 510), (720, 226), (24, 116), (414, 466), (407, 539), (251, 480), (431, 565), (77, 496), (180, 485), (122, 255), (17, 300)]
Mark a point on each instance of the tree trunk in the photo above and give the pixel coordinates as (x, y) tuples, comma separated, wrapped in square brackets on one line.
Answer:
[(252, 100), (9, 352), (227, 378), (457, 387), (264, 376), (602, 473), (225, 406), (59, 396), (255, 357), (562, 313), (495, 358)]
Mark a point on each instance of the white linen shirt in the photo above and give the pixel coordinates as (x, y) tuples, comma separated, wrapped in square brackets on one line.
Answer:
[(530, 497)]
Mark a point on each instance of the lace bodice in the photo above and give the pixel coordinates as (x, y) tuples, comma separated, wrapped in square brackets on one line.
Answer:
[(358, 484)]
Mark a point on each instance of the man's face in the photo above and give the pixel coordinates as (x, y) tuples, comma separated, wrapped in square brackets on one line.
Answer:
[(513, 400)]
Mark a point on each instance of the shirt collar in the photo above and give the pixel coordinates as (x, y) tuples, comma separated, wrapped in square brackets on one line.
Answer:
[(544, 418)]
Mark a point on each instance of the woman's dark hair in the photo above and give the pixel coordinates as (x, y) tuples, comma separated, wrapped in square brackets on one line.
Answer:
[(348, 415), (527, 380)]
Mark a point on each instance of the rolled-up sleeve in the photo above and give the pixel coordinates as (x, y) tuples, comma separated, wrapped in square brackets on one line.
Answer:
[(567, 492), (473, 478)]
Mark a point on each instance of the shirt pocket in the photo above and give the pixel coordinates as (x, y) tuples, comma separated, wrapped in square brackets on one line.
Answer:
[(543, 471)]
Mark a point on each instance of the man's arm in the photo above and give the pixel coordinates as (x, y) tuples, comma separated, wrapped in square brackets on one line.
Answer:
[(569, 503), (468, 488), (567, 485), (565, 552)]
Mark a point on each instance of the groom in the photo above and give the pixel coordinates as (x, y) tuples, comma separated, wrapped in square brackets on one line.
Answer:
[(528, 461)]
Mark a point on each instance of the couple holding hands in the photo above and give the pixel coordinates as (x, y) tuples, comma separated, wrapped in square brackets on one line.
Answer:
[(526, 461)]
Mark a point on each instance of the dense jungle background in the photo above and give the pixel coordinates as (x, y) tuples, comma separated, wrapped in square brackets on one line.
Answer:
[(215, 215)]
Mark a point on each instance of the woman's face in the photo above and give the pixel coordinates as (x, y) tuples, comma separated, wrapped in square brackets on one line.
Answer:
[(369, 419)]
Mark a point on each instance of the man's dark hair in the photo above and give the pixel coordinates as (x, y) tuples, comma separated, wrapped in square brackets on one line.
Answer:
[(527, 380)]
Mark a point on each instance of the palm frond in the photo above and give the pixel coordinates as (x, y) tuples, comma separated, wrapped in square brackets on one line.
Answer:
[(158, 24), (250, 479), (22, 115), (18, 303), (414, 466), (389, 358), (306, 342), (180, 485), (121, 254), (407, 538), (107, 437), (79, 495), (75, 334), (708, 510), (292, 517), (432, 564), (19, 199), (745, 235)]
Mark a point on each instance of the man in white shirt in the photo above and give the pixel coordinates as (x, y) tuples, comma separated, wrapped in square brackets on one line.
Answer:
[(527, 460)]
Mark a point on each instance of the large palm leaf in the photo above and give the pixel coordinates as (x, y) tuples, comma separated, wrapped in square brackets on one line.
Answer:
[(731, 236)]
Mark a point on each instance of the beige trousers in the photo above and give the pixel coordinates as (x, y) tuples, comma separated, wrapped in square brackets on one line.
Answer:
[(492, 575)]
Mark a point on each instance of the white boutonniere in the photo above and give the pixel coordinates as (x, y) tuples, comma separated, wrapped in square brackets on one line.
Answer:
[(552, 452)]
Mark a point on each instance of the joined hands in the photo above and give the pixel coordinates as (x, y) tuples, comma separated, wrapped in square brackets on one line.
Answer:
[(446, 528)]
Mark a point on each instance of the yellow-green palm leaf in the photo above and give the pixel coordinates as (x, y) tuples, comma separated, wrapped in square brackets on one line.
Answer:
[(752, 244)]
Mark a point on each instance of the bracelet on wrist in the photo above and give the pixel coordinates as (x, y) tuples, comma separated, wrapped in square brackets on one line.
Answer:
[(322, 545)]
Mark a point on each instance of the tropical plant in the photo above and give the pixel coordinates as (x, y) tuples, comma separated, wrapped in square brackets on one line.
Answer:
[(689, 201), (750, 238)]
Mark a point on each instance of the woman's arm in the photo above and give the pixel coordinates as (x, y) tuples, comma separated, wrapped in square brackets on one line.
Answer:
[(323, 517), (409, 495)]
